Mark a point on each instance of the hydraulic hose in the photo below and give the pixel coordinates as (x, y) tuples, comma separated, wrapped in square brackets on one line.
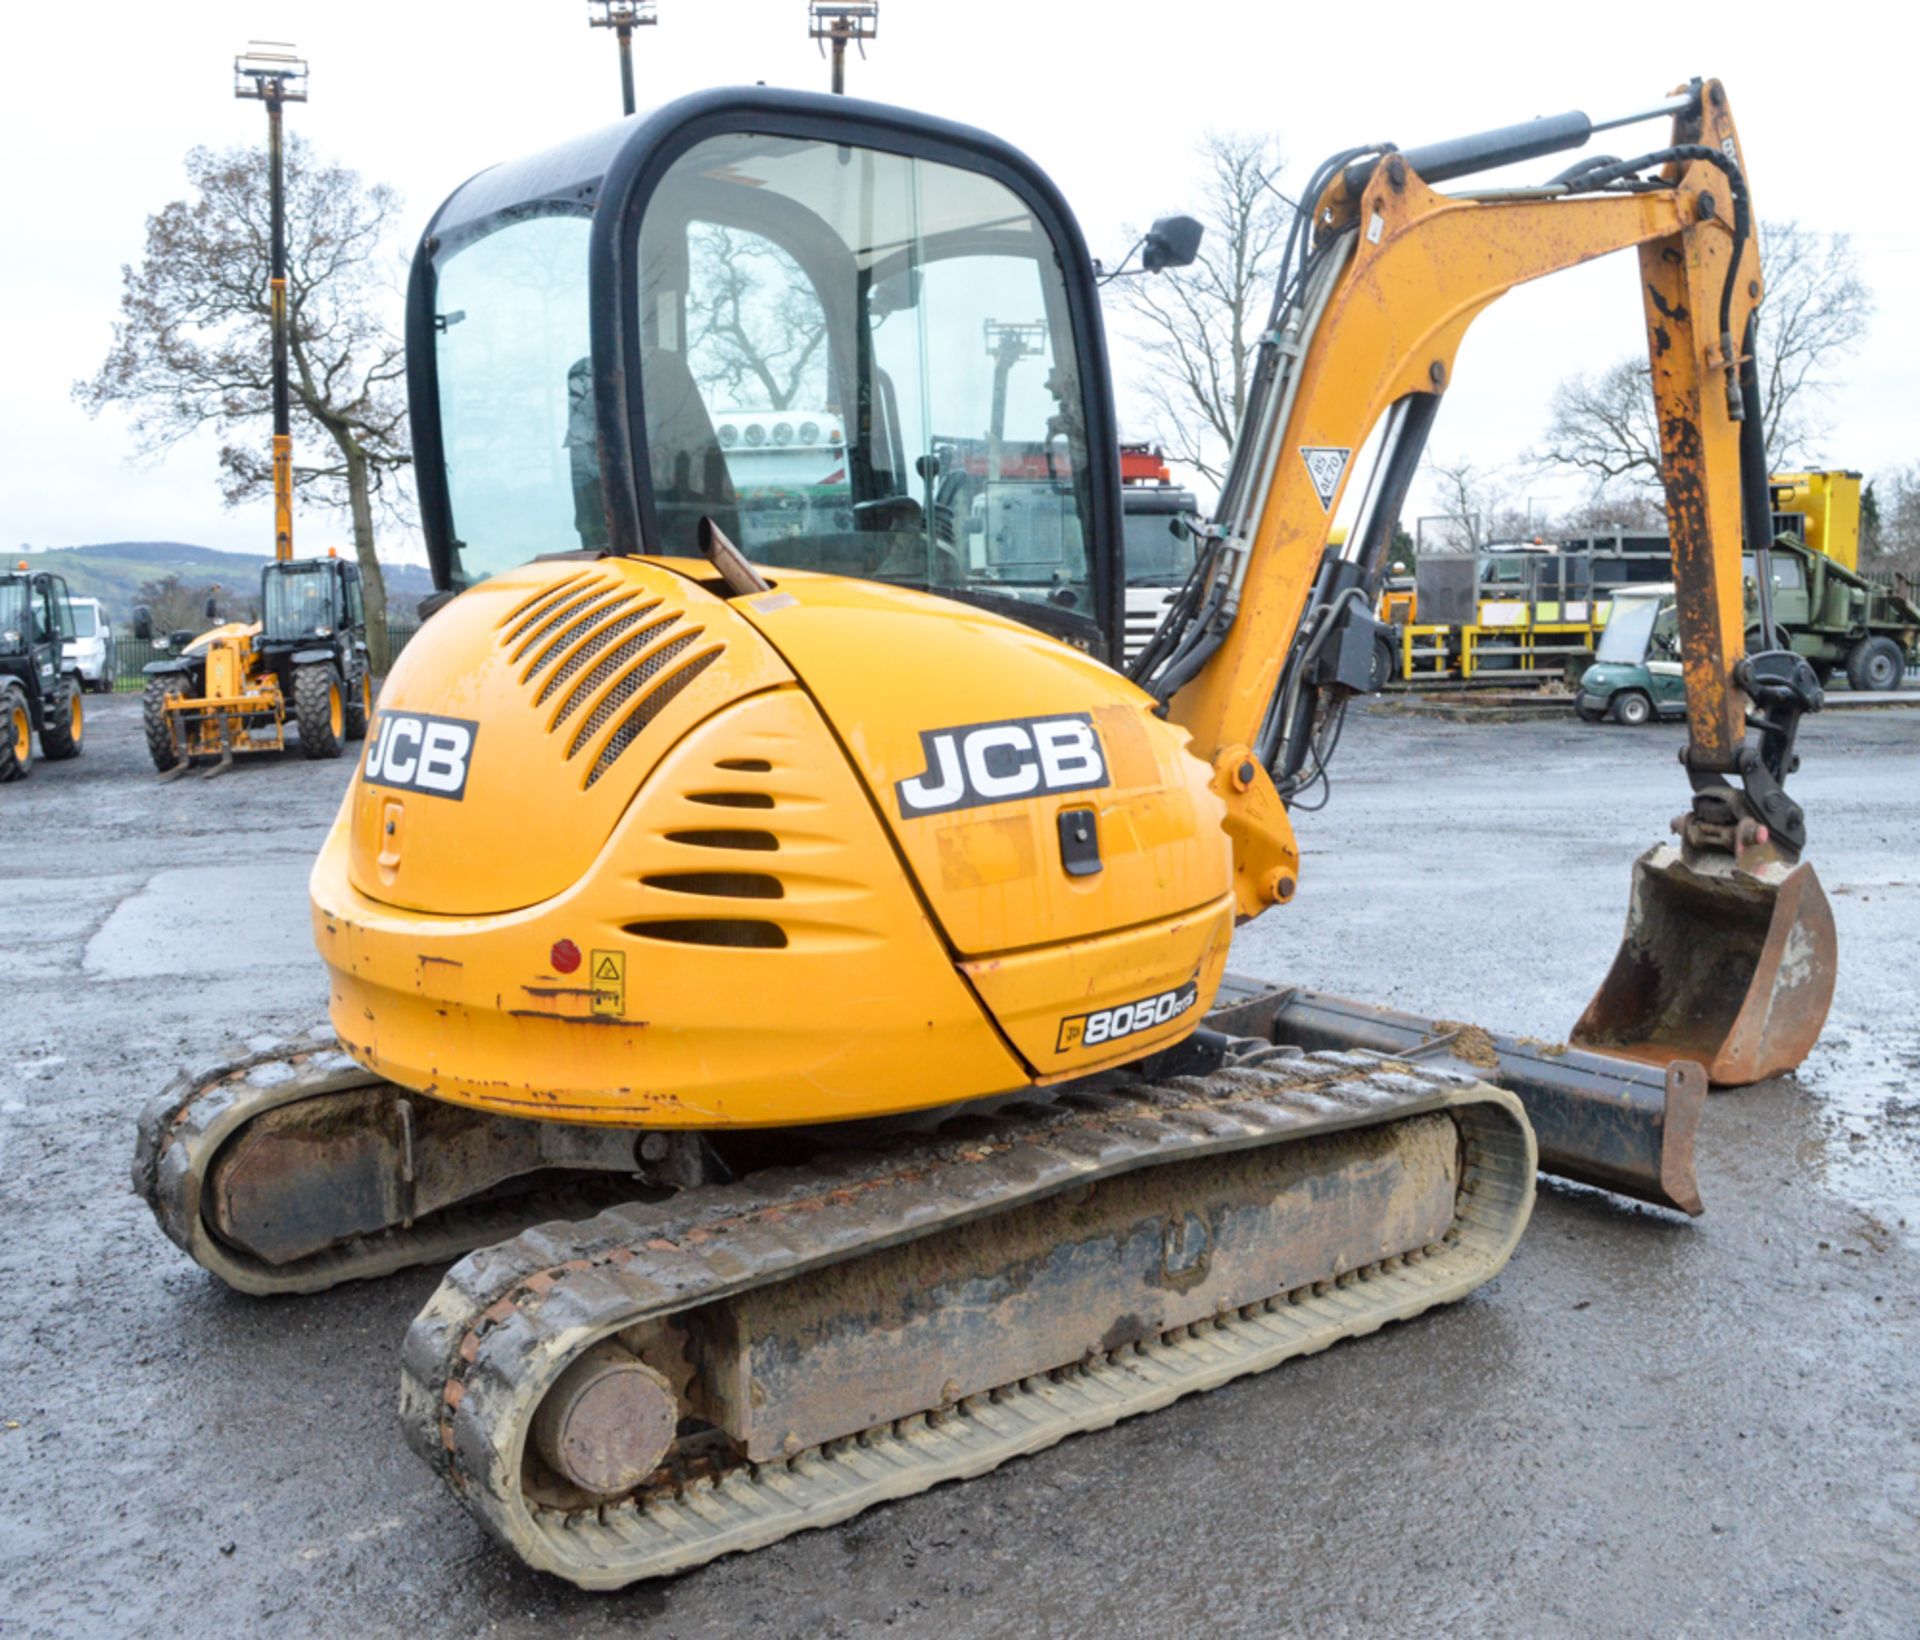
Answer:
[(1756, 493)]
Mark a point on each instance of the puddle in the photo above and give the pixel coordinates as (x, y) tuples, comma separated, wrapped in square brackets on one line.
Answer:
[(1868, 1086)]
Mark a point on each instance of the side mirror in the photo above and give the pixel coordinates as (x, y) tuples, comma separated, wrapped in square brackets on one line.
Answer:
[(1172, 242), (895, 294), (143, 623)]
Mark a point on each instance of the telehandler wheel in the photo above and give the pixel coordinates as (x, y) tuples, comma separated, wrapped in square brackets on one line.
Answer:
[(66, 726), (153, 713), (359, 706), (1632, 708), (16, 736), (1876, 663), (320, 708), (1382, 670)]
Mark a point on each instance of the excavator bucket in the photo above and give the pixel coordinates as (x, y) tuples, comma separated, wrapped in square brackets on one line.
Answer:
[(1726, 961)]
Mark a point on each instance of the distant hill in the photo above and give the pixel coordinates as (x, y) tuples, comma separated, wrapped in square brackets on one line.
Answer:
[(112, 572)]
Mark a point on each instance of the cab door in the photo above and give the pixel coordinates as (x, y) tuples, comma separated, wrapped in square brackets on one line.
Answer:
[(1666, 680), (52, 625), (1790, 605)]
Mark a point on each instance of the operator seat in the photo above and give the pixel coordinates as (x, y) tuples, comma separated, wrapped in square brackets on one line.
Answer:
[(690, 476)]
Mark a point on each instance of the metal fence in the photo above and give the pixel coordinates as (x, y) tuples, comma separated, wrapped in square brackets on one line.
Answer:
[(129, 656)]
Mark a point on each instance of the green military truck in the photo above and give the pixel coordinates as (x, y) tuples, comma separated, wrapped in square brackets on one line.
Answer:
[(1836, 618), (1820, 610)]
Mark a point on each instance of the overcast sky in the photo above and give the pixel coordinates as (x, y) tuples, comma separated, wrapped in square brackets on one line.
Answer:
[(97, 108)]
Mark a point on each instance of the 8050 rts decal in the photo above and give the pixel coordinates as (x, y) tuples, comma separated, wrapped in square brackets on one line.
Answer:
[(1125, 1019), (418, 752), (979, 763)]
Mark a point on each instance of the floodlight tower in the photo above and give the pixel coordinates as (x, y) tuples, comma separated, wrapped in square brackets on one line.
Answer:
[(835, 22), (274, 74), (623, 17)]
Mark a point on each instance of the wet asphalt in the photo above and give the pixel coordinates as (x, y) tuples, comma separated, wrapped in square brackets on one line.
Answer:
[(1643, 1426)]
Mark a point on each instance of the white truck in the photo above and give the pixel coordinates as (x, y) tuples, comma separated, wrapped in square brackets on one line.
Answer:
[(1159, 559), (89, 651)]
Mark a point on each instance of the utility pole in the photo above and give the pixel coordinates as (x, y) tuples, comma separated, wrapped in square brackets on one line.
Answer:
[(272, 73), (623, 17), (834, 23)]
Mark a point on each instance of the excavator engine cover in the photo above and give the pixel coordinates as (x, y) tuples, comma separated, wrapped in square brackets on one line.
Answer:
[(622, 850), (1726, 961)]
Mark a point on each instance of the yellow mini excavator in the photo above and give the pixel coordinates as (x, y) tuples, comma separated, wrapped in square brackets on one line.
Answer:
[(769, 936)]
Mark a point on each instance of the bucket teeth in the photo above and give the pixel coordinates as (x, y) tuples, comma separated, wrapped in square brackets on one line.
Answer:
[(1730, 967)]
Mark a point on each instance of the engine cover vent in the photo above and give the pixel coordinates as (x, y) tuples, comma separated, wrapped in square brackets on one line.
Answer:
[(610, 654), (644, 713)]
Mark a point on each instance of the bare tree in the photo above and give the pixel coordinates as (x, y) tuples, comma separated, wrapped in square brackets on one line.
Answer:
[(1603, 425), (1477, 506), (755, 329), (1611, 508), (191, 347), (1816, 311), (1890, 520), (1198, 326), (175, 605)]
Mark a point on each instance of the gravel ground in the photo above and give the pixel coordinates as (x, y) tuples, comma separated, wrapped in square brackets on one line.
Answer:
[(1643, 1425)]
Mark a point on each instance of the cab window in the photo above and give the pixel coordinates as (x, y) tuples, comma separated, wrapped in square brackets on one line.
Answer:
[(299, 601), (861, 363), (1789, 573), (516, 401)]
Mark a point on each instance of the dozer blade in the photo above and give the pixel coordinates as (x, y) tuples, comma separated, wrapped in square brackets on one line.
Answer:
[(1726, 964), (1625, 1127)]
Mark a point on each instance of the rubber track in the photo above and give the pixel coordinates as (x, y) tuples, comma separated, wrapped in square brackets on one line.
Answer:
[(507, 1320), (183, 1128)]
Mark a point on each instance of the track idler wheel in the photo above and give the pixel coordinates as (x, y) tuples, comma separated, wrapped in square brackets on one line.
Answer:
[(608, 1422), (1728, 961)]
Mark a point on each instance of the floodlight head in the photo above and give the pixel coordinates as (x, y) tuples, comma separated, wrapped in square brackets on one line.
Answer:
[(1015, 340), (270, 71), (621, 14), (843, 19)]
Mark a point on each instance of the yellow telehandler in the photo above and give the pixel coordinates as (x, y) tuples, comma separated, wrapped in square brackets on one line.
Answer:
[(767, 927)]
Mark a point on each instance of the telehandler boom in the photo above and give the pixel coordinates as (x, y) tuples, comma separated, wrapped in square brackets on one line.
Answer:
[(789, 879)]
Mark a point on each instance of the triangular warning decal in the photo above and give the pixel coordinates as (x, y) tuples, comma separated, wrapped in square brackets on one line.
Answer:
[(606, 968), (1326, 465)]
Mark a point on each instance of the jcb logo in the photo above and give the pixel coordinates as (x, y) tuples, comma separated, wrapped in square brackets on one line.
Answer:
[(1126, 1019), (420, 753), (995, 762)]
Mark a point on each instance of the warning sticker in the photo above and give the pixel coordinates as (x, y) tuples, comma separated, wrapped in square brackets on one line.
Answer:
[(608, 976), (1326, 465)]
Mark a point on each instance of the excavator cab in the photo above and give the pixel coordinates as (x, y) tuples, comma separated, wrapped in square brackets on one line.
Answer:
[(868, 348)]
